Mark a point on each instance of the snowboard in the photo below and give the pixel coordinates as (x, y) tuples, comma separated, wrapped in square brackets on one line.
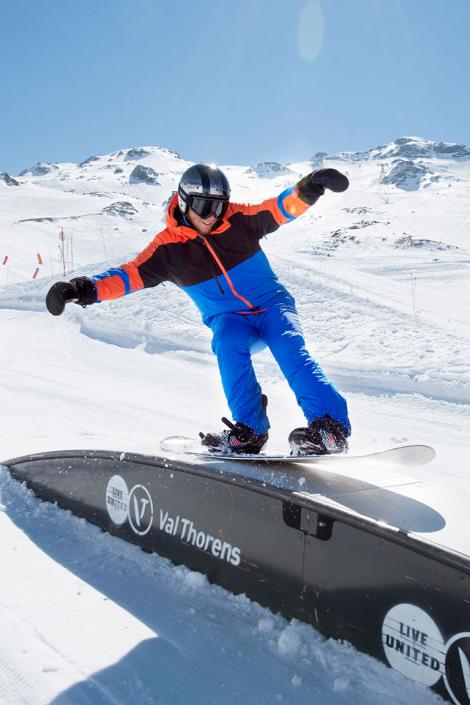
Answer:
[(405, 456)]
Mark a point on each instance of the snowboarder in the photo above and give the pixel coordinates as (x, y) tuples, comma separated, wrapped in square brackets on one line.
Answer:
[(211, 249)]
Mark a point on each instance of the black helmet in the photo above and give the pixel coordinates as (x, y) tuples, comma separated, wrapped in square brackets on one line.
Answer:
[(205, 189)]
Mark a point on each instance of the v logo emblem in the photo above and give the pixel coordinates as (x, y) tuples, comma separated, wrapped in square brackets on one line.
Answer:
[(465, 670)]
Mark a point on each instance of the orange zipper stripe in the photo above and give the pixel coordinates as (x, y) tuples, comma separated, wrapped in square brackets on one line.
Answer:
[(225, 273)]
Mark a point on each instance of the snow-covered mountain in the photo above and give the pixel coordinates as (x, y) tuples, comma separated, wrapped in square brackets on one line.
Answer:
[(110, 205), (410, 148), (381, 277)]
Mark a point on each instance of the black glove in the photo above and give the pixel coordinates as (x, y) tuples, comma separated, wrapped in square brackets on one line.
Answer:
[(81, 290), (85, 290), (312, 186)]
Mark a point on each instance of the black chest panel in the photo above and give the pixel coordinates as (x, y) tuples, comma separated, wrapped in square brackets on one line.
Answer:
[(190, 262)]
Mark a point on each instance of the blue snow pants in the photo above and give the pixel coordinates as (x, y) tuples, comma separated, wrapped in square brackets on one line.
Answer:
[(235, 335)]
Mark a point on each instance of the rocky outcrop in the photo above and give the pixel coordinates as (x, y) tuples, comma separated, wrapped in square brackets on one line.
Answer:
[(406, 175), (269, 170), (89, 161), (172, 152), (144, 175), (136, 153), (7, 179), (448, 150), (407, 242), (318, 159), (40, 169), (124, 209), (415, 148), (358, 210)]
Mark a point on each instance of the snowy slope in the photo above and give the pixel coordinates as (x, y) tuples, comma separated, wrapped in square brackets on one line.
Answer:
[(381, 277)]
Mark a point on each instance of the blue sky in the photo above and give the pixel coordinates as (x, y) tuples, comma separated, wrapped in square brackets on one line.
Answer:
[(237, 81)]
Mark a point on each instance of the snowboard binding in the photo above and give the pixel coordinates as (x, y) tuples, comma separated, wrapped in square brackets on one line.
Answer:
[(322, 436), (239, 439)]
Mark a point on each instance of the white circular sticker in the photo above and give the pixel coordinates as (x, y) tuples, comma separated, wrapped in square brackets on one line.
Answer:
[(140, 510), (117, 499), (413, 643)]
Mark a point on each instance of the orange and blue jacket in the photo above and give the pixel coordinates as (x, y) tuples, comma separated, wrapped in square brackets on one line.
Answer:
[(225, 271)]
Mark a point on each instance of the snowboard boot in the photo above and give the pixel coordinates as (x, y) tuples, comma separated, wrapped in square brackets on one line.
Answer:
[(322, 437), (239, 439)]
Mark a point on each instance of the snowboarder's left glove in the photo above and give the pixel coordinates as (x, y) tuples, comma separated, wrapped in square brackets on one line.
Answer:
[(81, 290), (312, 186), (85, 290)]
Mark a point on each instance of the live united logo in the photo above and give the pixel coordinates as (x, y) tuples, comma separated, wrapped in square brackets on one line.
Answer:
[(414, 645)]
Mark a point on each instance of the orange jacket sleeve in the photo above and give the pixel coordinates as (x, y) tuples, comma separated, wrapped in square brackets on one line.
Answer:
[(145, 270), (266, 217)]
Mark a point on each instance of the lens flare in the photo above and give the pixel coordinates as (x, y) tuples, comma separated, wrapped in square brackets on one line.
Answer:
[(310, 30)]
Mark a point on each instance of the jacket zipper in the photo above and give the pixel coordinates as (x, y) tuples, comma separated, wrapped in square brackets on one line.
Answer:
[(225, 274), (211, 264)]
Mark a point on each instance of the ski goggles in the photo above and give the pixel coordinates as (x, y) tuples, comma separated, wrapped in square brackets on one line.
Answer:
[(205, 207)]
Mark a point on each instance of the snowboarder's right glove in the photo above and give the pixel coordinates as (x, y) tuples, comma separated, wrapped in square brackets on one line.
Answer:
[(312, 186), (81, 290)]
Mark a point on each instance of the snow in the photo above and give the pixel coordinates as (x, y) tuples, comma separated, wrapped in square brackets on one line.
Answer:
[(85, 618)]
